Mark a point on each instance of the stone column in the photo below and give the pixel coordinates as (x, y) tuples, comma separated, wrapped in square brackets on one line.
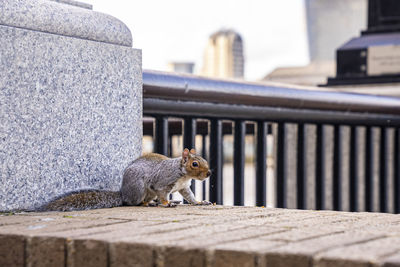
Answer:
[(70, 101)]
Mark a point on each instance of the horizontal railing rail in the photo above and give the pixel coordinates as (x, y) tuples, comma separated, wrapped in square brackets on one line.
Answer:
[(340, 120), (175, 127)]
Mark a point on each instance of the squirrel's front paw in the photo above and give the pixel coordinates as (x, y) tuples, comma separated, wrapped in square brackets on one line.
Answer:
[(149, 204), (203, 202), (167, 204)]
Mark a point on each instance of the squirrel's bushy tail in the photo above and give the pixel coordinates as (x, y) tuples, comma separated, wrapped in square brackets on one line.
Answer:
[(84, 200)]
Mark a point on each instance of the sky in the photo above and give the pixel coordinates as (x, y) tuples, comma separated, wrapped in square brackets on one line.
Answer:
[(273, 32)]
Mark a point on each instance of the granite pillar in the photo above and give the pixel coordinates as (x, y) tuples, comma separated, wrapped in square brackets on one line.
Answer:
[(70, 101)]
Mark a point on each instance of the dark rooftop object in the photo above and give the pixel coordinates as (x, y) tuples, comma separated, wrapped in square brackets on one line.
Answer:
[(383, 16), (373, 57)]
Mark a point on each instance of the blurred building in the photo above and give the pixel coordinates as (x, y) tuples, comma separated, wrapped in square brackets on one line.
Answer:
[(223, 56), (329, 25), (181, 67)]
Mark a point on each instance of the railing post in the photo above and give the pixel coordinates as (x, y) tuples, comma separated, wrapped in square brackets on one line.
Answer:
[(238, 163), (396, 166), (301, 167), (280, 170), (337, 176), (320, 169), (353, 170), (383, 172), (189, 140), (261, 166), (369, 170), (216, 161), (204, 155), (170, 146), (161, 135)]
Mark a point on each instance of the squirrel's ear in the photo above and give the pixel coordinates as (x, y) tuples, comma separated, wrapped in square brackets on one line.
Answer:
[(185, 154), (193, 151)]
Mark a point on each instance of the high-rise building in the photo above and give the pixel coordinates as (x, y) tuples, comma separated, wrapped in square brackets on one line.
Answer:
[(223, 55), (332, 23), (329, 25)]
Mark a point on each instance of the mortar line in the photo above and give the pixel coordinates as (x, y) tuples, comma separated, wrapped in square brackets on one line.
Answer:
[(311, 238), (166, 231), (122, 219), (153, 258), (161, 223), (85, 227), (312, 256), (65, 230), (25, 251), (108, 254), (348, 245), (389, 254), (194, 235), (151, 233), (250, 237), (303, 219), (229, 230), (65, 252)]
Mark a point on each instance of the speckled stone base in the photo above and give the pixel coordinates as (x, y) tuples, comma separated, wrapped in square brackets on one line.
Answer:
[(70, 115)]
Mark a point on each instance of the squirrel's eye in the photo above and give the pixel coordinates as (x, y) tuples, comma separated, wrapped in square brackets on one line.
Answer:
[(195, 164)]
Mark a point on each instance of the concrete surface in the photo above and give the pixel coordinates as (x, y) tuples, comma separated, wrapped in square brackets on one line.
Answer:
[(199, 236)]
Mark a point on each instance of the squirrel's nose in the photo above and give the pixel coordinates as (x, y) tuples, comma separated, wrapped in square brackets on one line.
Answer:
[(208, 173)]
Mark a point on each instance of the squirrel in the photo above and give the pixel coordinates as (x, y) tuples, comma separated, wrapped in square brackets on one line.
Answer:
[(148, 178)]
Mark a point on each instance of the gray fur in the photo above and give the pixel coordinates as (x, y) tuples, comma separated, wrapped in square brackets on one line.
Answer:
[(146, 179), (188, 195), (84, 200), (149, 177)]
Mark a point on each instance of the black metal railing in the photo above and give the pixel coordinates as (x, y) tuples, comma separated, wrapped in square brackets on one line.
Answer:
[(355, 138)]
